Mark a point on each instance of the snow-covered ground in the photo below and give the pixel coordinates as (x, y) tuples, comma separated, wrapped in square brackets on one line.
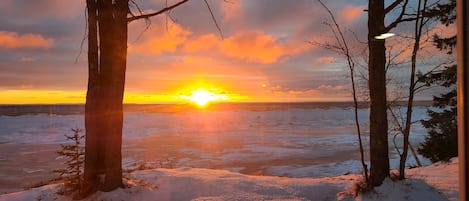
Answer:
[(433, 183)]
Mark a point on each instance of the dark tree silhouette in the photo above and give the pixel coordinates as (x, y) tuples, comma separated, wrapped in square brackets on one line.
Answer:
[(377, 12), (379, 156), (107, 57), (442, 142), (341, 46), (419, 25), (74, 154)]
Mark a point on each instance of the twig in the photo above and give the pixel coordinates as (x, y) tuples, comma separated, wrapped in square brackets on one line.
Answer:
[(214, 19), (84, 38), (146, 16)]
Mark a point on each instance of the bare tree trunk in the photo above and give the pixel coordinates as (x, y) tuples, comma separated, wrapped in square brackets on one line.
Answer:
[(357, 125), (344, 49), (92, 155), (103, 110), (107, 58), (379, 157), (417, 34), (112, 22)]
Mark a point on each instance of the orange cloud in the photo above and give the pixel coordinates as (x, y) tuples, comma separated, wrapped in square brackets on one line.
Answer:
[(172, 75), (198, 60), (12, 40), (157, 40), (202, 43), (250, 46), (351, 13), (253, 46)]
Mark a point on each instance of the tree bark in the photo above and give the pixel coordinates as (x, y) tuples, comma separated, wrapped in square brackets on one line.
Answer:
[(93, 158), (107, 60), (112, 22), (379, 156), (107, 21)]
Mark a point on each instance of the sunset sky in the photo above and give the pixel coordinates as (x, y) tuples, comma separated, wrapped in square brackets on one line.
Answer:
[(264, 55)]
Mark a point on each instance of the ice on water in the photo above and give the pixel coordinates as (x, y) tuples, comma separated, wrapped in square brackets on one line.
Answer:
[(285, 141)]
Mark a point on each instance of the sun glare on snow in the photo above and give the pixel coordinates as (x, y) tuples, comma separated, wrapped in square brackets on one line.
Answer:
[(201, 97)]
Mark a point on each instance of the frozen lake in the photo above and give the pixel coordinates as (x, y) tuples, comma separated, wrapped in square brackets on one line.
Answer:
[(294, 140)]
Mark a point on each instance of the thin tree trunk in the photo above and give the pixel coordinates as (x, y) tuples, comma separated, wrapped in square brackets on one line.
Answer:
[(357, 124), (417, 160), (417, 33), (343, 48), (401, 129), (379, 156)]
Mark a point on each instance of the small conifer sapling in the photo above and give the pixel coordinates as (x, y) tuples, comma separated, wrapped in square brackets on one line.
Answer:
[(74, 154)]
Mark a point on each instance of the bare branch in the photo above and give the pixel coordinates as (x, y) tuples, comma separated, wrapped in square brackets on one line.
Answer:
[(422, 88), (166, 19), (392, 6), (84, 38), (400, 17), (356, 37), (396, 120), (328, 46), (140, 11), (396, 22), (147, 27), (342, 45), (137, 6), (146, 16), (395, 144), (214, 19)]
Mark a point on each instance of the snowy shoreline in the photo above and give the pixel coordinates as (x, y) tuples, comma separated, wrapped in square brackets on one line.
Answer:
[(432, 183)]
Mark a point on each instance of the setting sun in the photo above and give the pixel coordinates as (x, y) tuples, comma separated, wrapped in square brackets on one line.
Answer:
[(202, 97)]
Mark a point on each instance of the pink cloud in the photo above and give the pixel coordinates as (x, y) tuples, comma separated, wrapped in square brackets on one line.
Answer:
[(27, 59), (322, 92), (12, 40), (325, 60), (330, 87), (351, 13), (401, 46)]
